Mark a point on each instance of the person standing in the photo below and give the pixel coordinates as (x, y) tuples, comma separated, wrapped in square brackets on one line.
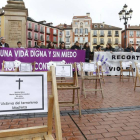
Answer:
[(119, 48), (138, 49), (75, 46), (129, 48), (3, 43), (51, 45), (109, 48), (62, 46), (19, 44), (39, 45), (99, 48), (87, 49)]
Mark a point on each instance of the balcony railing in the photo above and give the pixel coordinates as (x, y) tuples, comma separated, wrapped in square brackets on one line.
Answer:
[(36, 30), (109, 35), (109, 42), (29, 37), (131, 35), (68, 35), (94, 35), (138, 35), (102, 35), (94, 43), (30, 28), (116, 43), (36, 38), (41, 31), (29, 46), (47, 41), (55, 34), (116, 35), (102, 43), (42, 39), (55, 42)]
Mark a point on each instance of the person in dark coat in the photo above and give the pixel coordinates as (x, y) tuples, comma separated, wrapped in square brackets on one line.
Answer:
[(39, 45), (129, 48), (138, 49), (3, 44), (87, 49), (51, 45), (99, 48), (62, 45), (109, 48), (75, 46)]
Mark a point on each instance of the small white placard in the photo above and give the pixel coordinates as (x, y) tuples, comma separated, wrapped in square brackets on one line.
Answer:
[(89, 67), (64, 70), (125, 65), (25, 67), (24, 92), (9, 64)]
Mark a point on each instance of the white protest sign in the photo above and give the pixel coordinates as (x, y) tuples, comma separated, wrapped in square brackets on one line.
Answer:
[(125, 65), (64, 70), (25, 67), (114, 59), (9, 64), (23, 92), (89, 67)]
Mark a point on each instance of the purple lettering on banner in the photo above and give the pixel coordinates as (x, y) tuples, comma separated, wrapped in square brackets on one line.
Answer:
[(41, 56)]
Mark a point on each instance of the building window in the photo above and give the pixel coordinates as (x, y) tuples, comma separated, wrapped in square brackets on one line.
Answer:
[(54, 39), (95, 41), (0, 20), (109, 33), (29, 44), (76, 39), (76, 31), (86, 23), (29, 35), (36, 36), (60, 34), (54, 31), (138, 33), (86, 31), (95, 33), (35, 43), (76, 23), (101, 41), (42, 29), (131, 33), (42, 37), (81, 39), (138, 41), (102, 33), (116, 41), (48, 30), (48, 38), (131, 40), (101, 26), (109, 40), (67, 33), (29, 25), (81, 24), (86, 39), (81, 30), (36, 27), (67, 40), (95, 26)]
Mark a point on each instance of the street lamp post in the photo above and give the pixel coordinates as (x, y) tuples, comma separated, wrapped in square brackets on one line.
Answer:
[(124, 14)]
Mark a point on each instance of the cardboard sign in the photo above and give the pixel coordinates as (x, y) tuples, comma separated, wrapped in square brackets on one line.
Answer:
[(25, 67), (89, 67), (64, 70)]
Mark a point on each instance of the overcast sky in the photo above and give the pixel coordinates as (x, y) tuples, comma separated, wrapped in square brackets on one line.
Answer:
[(62, 11)]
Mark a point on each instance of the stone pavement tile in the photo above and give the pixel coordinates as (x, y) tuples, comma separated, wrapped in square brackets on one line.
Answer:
[(110, 134), (98, 131), (108, 138), (130, 128), (126, 138), (129, 132), (75, 138), (95, 136), (115, 129)]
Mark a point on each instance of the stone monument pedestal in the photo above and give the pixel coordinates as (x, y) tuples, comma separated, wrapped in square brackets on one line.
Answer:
[(15, 18)]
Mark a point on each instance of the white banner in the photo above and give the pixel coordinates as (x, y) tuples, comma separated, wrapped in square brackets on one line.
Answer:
[(23, 92), (111, 61)]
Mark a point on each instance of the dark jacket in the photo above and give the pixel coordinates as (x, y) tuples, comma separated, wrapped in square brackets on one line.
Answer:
[(129, 49), (87, 50), (41, 47), (138, 49), (75, 47), (109, 49), (6, 45)]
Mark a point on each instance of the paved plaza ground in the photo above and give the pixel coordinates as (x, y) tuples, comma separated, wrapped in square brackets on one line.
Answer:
[(116, 117)]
